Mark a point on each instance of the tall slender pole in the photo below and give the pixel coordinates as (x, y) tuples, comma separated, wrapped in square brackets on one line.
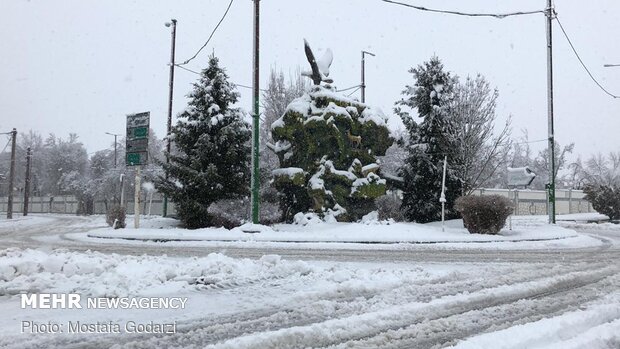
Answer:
[(136, 200), (363, 84), (9, 209), (170, 95), (27, 183), (442, 197), (115, 150), (550, 13), (255, 143)]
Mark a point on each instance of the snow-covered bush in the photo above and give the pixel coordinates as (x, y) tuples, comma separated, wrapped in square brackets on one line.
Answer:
[(484, 214), (388, 207), (115, 217), (605, 199)]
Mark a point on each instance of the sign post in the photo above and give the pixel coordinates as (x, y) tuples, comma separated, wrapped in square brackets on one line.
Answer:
[(137, 143), (442, 198)]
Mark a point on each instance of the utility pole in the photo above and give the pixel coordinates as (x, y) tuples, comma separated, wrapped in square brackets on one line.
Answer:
[(9, 209), (27, 184), (363, 85), (172, 22), (255, 142), (550, 14), (115, 135)]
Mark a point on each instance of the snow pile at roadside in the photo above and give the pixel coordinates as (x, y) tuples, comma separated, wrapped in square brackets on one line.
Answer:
[(103, 275)]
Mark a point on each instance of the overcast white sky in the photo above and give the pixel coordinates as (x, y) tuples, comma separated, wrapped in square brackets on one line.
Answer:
[(81, 66)]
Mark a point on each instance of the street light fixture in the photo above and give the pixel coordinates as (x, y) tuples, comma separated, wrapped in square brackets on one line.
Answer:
[(363, 85), (115, 143), (173, 23), (611, 65)]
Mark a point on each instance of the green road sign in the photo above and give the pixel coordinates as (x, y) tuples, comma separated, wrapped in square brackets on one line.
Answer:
[(140, 132), (137, 140), (136, 159)]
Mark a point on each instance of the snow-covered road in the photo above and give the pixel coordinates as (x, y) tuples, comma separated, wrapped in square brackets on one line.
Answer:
[(405, 297)]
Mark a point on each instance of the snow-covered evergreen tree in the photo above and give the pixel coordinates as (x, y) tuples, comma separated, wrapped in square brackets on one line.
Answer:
[(427, 144), (212, 155)]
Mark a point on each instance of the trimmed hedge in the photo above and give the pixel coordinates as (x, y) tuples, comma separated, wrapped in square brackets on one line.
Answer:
[(484, 214)]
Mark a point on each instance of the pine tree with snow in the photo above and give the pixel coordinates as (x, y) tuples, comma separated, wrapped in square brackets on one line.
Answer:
[(427, 144), (212, 156)]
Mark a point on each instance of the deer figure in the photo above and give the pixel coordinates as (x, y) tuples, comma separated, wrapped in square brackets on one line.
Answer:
[(355, 140)]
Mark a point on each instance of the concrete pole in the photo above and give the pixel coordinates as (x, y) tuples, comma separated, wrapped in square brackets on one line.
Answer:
[(9, 209), (27, 183), (170, 95), (550, 13)]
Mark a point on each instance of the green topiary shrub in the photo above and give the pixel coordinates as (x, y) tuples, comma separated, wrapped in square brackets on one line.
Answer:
[(115, 217), (484, 214), (605, 199)]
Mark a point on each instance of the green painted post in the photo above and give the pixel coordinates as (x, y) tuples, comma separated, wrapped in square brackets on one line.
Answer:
[(255, 131)]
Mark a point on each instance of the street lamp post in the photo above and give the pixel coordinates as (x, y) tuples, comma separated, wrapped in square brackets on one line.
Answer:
[(115, 143), (115, 163), (173, 23), (363, 84)]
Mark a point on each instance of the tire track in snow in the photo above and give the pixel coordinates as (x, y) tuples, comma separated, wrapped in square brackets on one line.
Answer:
[(368, 325), (321, 308), (443, 331)]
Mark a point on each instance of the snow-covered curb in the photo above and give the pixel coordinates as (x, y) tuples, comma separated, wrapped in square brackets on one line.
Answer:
[(375, 233)]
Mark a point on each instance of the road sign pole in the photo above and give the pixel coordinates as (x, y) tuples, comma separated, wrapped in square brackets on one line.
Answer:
[(136, 200)]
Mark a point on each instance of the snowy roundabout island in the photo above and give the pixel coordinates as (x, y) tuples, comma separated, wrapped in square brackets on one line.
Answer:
[(562, 292)]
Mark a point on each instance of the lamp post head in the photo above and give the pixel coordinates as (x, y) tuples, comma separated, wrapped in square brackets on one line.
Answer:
[(172, 22)]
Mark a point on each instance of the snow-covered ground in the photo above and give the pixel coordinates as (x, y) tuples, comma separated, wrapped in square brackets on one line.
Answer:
[(495, 297), (527, 232)]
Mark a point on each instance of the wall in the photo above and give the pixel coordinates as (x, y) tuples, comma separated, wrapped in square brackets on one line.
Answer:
[(534, 202)]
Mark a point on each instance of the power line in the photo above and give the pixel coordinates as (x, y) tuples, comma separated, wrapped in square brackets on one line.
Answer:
[(494, 15), (581, 61), (358, 87), (210, 36), (7, 144), (197, 73), (348, 88)]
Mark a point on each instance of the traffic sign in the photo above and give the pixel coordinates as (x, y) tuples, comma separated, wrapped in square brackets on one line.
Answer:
[(137, 140)]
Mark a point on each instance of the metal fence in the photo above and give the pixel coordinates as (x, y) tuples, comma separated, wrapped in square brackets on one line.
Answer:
[(528, 202)]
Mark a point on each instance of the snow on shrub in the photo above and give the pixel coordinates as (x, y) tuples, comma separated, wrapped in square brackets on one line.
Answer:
[(484, 214), (115, 217), (388, 207), (605, 199)]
